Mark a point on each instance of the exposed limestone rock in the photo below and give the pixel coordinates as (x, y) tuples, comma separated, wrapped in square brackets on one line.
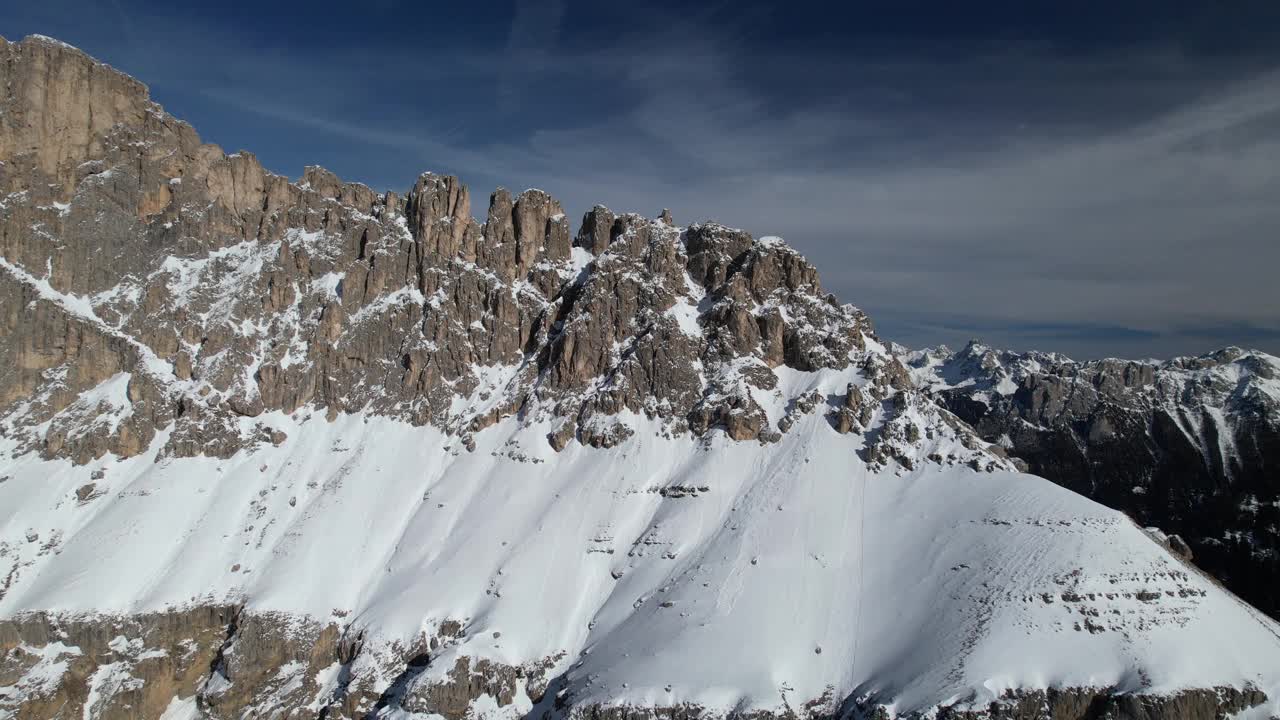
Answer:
[(561, 436), (466, 681), (740, 415), (62, 104), (233, 664), (1090, 703), (1055, 704), (438, 211), (111, 668), (855, 413), (802, 405), (597, 226), (224, 292)]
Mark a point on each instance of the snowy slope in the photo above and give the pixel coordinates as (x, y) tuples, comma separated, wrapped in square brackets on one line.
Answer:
[(796, 573)]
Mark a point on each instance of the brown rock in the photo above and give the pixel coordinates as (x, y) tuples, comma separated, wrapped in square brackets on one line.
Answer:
[(597, 226)]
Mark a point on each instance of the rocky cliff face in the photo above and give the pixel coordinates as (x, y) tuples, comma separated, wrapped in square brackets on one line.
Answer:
[(299, 449), (224, 292), (1191, 445)]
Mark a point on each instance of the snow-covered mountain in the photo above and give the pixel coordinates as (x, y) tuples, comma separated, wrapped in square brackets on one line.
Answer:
[(300, 449), (1191, 445)]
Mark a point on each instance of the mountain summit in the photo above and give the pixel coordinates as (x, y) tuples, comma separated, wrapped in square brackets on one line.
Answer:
[(278, 449)]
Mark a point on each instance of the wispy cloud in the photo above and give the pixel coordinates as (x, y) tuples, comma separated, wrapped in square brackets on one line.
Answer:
[(531, 39)]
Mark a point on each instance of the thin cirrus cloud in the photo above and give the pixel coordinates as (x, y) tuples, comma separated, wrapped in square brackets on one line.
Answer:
[(1119, 201)]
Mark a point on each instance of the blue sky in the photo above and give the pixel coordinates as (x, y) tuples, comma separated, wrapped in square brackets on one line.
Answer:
[(1063, 176)]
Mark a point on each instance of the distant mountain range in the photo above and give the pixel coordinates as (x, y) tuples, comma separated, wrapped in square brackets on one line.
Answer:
[(1191, 445)]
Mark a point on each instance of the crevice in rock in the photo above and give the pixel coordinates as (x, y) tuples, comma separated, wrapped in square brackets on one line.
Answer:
[(217, 667)]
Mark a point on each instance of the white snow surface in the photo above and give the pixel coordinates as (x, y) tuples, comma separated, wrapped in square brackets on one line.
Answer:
[(796, 572)]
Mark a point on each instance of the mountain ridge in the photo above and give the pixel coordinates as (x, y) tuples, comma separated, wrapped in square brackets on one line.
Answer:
[(520, 271)]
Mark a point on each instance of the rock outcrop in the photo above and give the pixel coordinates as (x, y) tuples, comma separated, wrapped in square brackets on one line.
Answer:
[(207, 292), (220, 663)]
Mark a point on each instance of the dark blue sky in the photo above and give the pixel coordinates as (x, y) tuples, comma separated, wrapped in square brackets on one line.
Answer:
[(1066, 176)]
